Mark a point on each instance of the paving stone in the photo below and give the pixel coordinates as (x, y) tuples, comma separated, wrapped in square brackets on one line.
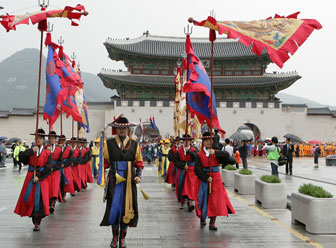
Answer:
[(161, 224)]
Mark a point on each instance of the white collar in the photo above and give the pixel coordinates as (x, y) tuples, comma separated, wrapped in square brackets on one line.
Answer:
[(184, 148), (122, 142), (53, 147), (39, 151), (207, 152)]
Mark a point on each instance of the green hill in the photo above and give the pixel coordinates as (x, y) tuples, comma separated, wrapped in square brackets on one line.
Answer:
[(19, 78)]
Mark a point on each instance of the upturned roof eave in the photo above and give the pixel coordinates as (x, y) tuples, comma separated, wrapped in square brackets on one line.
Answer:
[(124, 52)]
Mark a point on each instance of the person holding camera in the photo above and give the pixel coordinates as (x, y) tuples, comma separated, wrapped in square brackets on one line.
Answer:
[(273, 155)]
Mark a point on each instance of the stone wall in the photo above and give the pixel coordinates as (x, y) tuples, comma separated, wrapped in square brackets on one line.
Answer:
[(271, 119)]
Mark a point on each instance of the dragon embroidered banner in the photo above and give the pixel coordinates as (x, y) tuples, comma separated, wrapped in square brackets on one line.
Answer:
[(279, 35)]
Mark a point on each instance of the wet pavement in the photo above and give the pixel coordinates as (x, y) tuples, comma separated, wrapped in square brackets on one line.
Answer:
[(162, 224)]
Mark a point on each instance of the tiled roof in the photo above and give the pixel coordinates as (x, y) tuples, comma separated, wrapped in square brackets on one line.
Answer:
[(174, 47), (22, 112), (319, 111), (268, 79), (19, 112), (4, 113), (293, 105)]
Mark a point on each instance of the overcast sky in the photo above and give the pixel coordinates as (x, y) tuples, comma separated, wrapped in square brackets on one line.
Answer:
[(314, 61)]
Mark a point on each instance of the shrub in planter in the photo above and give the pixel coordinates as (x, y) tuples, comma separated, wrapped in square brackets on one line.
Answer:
[(270, 192), (245, 172), (228, 175), (230, 167), (244, 182), (270, 179), (314, 207), (314, 191)]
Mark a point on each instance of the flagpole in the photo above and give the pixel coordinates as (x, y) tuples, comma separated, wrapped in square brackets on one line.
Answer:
[(61, 122), (212, 38), (187, 32), (72, 132), (38, 100)]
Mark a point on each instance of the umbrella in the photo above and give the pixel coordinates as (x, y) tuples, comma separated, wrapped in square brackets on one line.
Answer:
[(12, 140), (294, 138), (3, 137), (248, 133), (239, 136), (315, 142)]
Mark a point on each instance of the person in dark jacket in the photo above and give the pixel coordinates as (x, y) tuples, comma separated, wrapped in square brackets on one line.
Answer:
[(287, 151), (243, 150), (316, 153), (215, 141)]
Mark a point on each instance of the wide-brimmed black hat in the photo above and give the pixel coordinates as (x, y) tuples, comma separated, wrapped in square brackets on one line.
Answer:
[(206, 135), (62, 137), (121, 121), (186, 137), (53, 134), (177, 138), (73, 139), (40, 132)]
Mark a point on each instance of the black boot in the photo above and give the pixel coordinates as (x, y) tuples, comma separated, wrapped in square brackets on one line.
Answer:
[(202, 222), (212, 226), (190, 206), (122, 243), (114, 242), (52, 205), (37, 222)]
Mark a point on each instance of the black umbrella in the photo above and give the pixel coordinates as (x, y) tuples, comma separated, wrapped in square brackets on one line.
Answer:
[(239, 136), (294, 138)]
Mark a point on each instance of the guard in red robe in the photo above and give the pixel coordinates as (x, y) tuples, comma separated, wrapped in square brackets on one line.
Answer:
[(125, 159), (211, 201), (88, 156), (34, 197), (185, 177), (82, 159), (66, 180), (75, 164), (170, 177), (54, 178)]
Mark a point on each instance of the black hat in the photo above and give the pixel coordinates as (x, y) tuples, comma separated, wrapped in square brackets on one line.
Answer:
[(40, 132), (206, 135), (62, 137), (121, 121), (73, 139), (186, 137), (53, 134)]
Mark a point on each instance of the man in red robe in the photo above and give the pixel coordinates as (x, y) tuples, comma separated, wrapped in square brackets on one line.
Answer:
[(210, 195), (75, 165), (54, 178), (185, 177), (34, 197), (66, 181), (170, 177)]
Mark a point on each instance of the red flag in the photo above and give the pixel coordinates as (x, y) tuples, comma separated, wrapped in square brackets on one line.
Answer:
[(279, 35), (11, 21)]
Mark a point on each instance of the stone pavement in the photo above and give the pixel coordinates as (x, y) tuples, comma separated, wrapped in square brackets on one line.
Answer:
[(76, 222)]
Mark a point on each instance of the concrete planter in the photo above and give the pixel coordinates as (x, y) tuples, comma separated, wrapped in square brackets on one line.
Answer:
[(318, 214), (228, 177), (244, 184), (271, 195)]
